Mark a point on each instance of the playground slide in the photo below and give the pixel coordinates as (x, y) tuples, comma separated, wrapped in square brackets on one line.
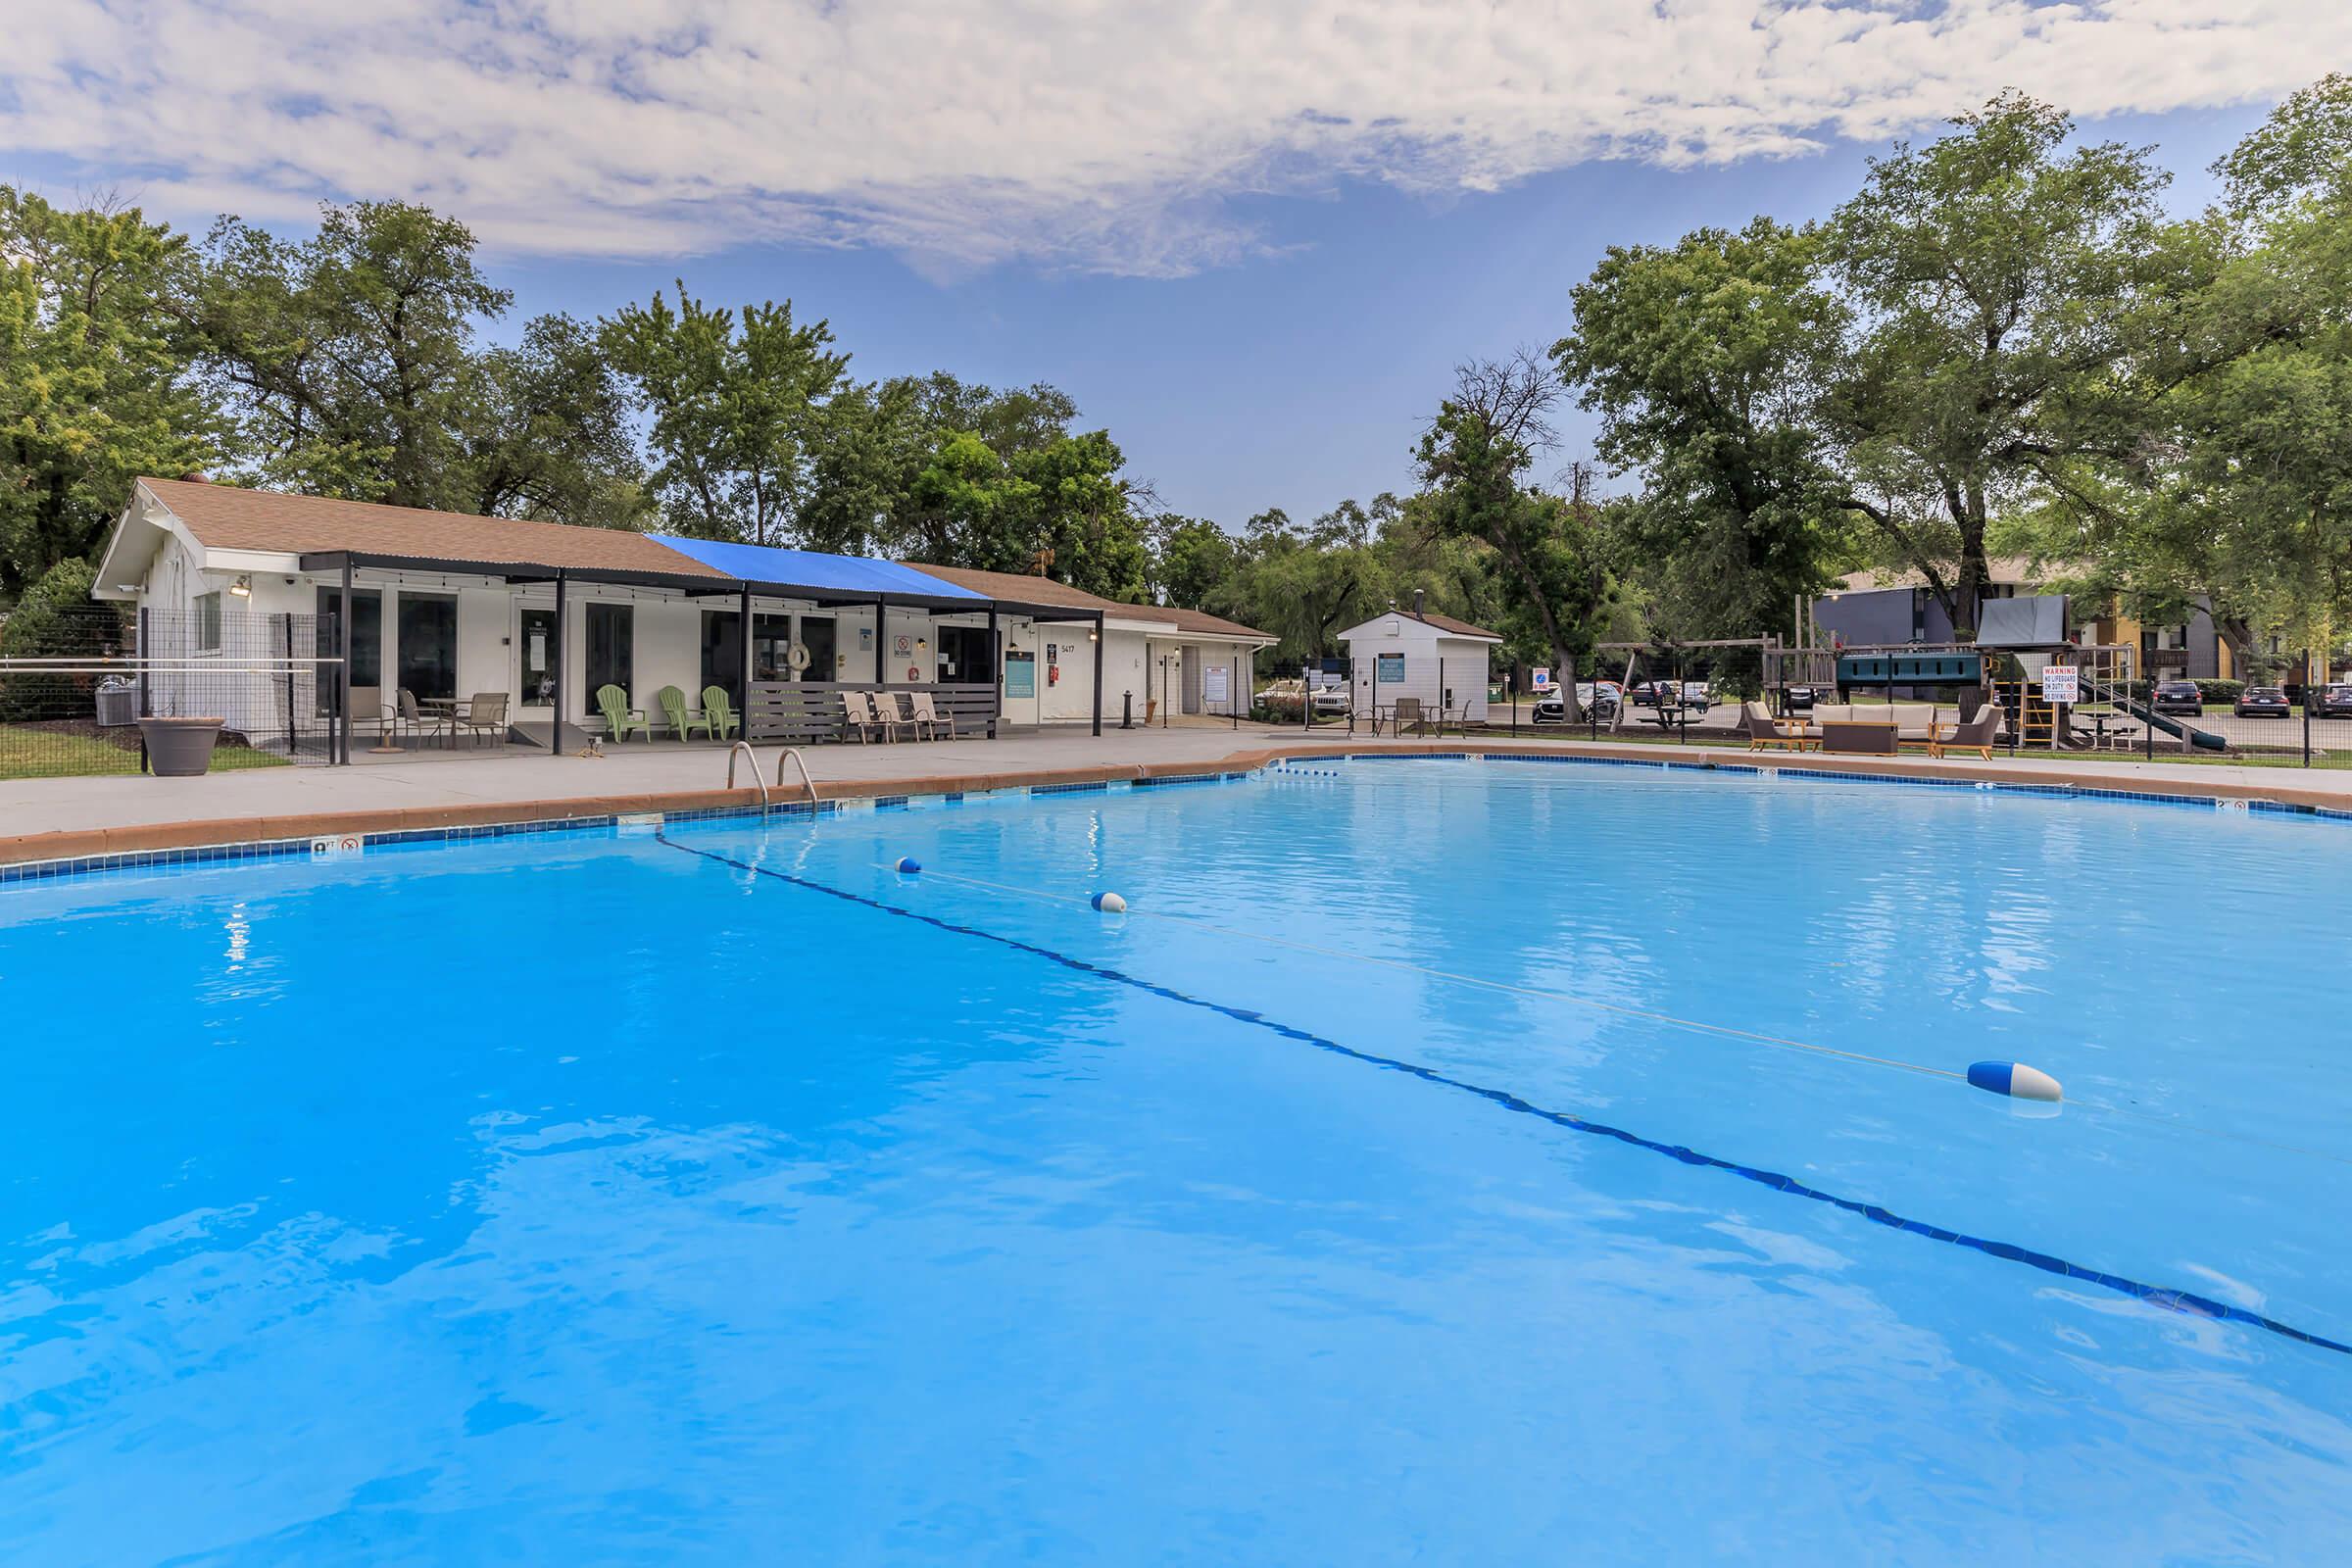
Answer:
[(2203, 740)]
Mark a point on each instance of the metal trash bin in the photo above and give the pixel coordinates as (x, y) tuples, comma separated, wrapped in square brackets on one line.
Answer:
[(117, 703)]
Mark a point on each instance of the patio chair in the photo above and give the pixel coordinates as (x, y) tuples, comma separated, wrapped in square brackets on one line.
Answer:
[(857, 717), (928, 716), (890, 715), (420, 723), (1976, 735), (1764, 731), (367, 706), (682, 720), (718, 711), (486, 714), (620, 720), (1408, 711)]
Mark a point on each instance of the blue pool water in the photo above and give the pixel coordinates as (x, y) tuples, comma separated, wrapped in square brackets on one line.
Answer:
[(1367, 1194)]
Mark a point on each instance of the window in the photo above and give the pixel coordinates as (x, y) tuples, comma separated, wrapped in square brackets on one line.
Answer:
[(722, 650), (612, 652), (208, 623), (366, 632), (429, 644)]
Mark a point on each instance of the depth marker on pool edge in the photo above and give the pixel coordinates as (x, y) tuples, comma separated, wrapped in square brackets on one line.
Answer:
[(2186, 1302)]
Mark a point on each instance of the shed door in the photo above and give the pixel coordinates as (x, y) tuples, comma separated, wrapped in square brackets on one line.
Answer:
[(1192, 678)]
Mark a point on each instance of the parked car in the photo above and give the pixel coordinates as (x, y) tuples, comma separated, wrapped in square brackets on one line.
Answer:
[(2330, 702), (1597, 698), (1646, 692), (1283, 697), (2261, 701), (1695, 694), (2180, 697), (1802, 698)]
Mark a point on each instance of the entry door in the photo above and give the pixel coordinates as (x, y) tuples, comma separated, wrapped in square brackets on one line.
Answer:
[(816, 635), (534, 660), (1192, 678)]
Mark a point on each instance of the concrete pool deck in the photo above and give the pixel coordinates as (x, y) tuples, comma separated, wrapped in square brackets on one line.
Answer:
[(62, 818)]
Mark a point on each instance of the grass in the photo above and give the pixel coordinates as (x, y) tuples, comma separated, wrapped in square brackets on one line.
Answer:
[(33, 751)]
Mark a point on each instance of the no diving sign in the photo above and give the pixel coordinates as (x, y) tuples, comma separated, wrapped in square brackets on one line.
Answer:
[(2059, 684)]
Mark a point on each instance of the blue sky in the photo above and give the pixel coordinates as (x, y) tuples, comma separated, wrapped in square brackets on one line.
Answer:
[(1251, 237), (1299, 377)]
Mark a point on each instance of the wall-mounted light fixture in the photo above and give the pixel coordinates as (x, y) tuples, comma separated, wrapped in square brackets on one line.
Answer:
[(242, 587)]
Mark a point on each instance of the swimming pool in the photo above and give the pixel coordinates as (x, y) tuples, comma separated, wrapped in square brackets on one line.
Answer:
[(1441, 1160)]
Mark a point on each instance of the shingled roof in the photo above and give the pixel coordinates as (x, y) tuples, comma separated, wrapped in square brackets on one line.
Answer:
[(225, 517)]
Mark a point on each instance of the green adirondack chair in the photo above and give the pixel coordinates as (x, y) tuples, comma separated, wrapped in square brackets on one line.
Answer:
[(620, 717), (720, 712), (682, 719)]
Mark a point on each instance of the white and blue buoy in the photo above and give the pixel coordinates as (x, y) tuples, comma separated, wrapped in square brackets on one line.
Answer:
[(2014, 1079), (1108, 902), (906, 865)]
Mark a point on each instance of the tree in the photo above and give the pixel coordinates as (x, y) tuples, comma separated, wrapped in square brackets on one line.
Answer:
[(1702, 361), (544, 433), (738, 409), (97, 386), (1189, 558), (1473, 458), (1995, 279), (345, 356)]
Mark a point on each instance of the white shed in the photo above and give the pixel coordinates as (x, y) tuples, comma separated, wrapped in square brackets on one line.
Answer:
[(1407, 653)]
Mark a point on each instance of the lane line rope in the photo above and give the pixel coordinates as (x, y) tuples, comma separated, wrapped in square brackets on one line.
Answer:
[(2186, 1303)]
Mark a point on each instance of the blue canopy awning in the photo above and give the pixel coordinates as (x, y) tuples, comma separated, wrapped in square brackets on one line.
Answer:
[(812, 575)]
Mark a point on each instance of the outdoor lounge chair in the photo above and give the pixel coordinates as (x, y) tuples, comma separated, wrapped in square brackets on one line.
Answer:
[(859, 717), (1763, 730), (1408, 711), (486, 714), (1976, 735), (620, 717), (683, 720), (890, 715), (719, 711), (927, 715)]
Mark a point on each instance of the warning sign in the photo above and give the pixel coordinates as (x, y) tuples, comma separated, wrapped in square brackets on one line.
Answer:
[(2060, 685)]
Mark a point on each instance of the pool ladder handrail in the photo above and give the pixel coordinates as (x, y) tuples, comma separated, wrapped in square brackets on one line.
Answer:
[(744, 750)]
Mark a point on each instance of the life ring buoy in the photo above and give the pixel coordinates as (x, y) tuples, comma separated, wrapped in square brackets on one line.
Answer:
[(797, 656)]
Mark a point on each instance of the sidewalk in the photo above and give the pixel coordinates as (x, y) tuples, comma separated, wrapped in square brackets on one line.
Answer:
[(56, 818)]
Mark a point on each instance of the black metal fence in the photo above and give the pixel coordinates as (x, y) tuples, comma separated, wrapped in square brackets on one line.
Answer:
[(75, 683)]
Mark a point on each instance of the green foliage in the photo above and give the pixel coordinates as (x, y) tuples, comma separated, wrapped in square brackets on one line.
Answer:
[(95, 381), (352, 365), (1189, 558), (1473, 459), (55, 619), (738, 406), (1701, 360), (1995, 279)]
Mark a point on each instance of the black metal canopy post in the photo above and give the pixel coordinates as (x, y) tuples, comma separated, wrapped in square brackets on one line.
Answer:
[(744, 636), (343, 670), (996, 671), (1098, 672), (881, 626), (555, 675), (2306, 707)]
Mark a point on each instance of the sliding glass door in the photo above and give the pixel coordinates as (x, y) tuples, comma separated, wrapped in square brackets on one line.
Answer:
[(429, 644), (611, 657)]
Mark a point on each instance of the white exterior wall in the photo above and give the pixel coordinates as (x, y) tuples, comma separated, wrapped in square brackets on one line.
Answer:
[(1423, 647)]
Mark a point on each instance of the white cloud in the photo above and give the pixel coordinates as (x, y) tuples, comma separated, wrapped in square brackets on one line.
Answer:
[(1096, 133)]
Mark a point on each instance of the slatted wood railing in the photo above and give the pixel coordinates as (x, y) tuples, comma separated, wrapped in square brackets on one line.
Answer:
[(809, 711)]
